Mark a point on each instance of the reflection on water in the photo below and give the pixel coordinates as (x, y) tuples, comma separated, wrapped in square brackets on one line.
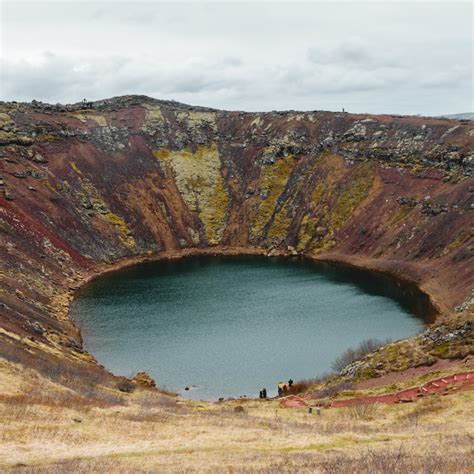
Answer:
[(228, 326)]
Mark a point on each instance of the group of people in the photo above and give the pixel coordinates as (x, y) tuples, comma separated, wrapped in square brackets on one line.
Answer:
[(282, 388)]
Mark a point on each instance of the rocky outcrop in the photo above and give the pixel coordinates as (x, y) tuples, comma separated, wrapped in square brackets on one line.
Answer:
[(85, 188), (144, 380), (452, 339)]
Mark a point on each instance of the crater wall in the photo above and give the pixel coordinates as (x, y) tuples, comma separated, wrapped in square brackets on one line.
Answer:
[(86, 188)]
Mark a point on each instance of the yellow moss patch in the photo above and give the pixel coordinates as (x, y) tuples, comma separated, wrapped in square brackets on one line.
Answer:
[(197, 119), (314, 225), (5, 119), (124, 237), (416, 168), (257, 122), (153, 118), (459, 240), (153, 113), (199, 180), (273, 179), (314, 222), (128, 242), (85, 116), (319, 227), (103, 212), (163, 154), (47, 137), (303, 235), (317, 194), (117, 221), (6, 136), (356, 191), (74, 167), (281, 223), (402, 213)]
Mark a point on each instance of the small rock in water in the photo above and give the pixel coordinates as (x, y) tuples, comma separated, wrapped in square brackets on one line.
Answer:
[(186, 388)]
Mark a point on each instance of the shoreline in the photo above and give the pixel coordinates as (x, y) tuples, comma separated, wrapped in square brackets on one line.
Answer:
[(338, 259), (392, 269)]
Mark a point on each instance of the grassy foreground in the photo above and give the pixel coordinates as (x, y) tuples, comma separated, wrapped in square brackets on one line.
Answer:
[(47, 428)]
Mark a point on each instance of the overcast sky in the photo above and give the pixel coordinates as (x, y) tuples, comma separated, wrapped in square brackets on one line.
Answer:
[(385, 57)]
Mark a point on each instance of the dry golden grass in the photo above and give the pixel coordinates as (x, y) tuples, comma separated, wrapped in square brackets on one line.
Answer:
[(46, 428)]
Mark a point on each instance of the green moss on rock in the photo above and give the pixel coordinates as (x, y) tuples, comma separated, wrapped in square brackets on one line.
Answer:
[(199, 180), (273, 179)]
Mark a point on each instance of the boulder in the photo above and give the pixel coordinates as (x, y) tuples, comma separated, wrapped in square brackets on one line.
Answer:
[(144, 380), (292, 250), (39, 158), (37, 328), (38, 174)]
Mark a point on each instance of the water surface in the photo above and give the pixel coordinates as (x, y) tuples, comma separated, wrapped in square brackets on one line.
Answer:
[(230, 326)]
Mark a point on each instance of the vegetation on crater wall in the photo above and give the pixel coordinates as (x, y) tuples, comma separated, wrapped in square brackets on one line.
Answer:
[(196, 120), (5, 227), (286, 212), (90, 197), (125, 234), (74, 167), (405, 209), (281, 223), (5, 119), (462, 237), (199, 180), (310, 223), (153, 113), (330, 209), (356, 191), (153, 119), (85, 116), (47, 138), (273, 179)]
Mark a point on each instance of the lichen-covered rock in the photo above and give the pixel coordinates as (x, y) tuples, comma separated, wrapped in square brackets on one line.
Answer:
[(199, 180), (144, 380)]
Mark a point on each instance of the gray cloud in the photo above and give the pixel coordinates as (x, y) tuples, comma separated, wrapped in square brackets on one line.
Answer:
[(400, 58)]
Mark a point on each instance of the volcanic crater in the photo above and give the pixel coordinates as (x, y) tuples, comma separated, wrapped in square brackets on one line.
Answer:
[(88, 188)]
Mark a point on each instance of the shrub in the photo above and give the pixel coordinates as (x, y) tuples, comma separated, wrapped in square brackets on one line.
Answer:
[(351, 355), (126, 386), (362, 411), (334, 389), (397, 460), (304, 384)]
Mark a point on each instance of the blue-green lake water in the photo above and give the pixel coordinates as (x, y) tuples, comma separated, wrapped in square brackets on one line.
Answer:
[(226, 327)]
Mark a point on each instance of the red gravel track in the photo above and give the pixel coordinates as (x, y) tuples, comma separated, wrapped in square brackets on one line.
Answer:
[(293, 401), (442, 386)]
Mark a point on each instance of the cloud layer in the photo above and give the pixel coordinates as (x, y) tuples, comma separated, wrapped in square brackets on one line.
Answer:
[(400, 58)]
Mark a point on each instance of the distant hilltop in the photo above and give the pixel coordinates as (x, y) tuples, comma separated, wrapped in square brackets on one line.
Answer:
[(131, 100), (464, 116)]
